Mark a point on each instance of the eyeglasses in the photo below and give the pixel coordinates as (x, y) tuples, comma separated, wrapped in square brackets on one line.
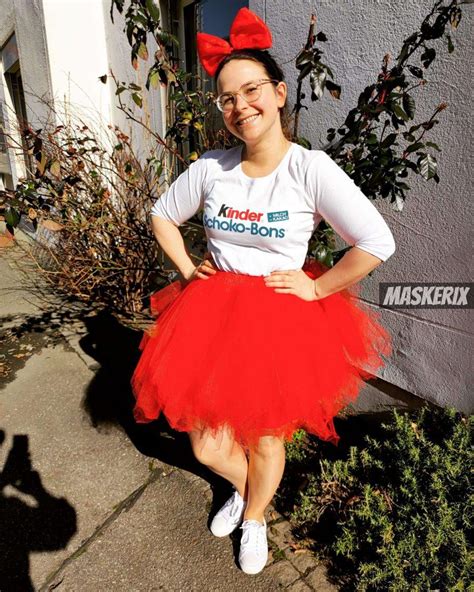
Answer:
[(250, 92)]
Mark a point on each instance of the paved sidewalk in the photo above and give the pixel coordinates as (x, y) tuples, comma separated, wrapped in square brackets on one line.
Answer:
[(90, 500)]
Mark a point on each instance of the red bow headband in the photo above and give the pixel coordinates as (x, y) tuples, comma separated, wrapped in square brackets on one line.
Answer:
[(248, 31)]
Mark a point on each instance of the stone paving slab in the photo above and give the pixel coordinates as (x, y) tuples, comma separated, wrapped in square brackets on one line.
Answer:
[(16, 299), (93, 470), (163, 543)]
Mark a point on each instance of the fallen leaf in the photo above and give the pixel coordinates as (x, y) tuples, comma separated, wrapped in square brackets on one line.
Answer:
[(272, 515), (55, 168), (6, 241), (51, 225)]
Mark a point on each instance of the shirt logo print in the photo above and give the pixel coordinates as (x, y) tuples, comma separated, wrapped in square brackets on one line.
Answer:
[(230, 214), (277, 216)]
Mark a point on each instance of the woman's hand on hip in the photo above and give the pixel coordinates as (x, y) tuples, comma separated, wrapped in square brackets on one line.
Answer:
[(292, 281), (206, 268)]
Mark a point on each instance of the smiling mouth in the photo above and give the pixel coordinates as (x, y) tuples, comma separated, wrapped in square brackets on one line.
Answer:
[(248, 120)]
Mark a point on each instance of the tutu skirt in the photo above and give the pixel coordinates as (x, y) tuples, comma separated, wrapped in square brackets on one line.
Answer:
[(230, 352)]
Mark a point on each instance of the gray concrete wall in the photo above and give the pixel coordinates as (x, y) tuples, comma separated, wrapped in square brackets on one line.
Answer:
[(432, 348), (26, 20)]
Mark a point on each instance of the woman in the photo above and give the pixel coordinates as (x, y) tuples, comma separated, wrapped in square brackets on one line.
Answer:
[(253, 346)]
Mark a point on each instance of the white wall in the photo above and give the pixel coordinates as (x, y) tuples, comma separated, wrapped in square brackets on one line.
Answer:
[(74, 31), (153, 113), (64, 47), (433, 348)]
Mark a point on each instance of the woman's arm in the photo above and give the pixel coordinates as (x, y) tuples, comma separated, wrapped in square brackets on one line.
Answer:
[(341, 203), (350, 269), (171, 241), (178, 204)]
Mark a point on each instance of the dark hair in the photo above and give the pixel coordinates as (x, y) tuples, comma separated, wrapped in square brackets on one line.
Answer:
[(273, 70)]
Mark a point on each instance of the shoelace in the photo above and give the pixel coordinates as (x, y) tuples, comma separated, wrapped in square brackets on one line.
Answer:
[(235, 507), (253, 535)]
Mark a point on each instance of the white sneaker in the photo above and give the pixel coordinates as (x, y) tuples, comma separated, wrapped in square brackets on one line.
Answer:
[(229, 516), (253, 553)]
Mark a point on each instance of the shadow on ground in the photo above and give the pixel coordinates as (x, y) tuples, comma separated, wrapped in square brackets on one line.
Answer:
[(32, 519), (109, 400)]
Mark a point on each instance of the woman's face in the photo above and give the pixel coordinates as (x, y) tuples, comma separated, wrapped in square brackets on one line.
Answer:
[(251, 121)]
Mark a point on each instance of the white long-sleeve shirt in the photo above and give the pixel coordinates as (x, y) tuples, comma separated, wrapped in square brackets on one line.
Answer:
[(258, 225)]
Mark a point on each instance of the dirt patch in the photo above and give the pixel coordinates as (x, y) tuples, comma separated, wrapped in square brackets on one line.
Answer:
[(29, 336)]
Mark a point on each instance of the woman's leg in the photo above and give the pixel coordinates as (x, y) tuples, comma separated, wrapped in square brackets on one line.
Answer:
[(266, 466), (223, 455)]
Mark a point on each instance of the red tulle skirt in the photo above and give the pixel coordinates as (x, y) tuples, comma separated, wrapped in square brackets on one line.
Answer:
[(230, 352)]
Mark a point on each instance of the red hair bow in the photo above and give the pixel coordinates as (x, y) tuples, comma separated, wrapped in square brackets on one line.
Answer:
[(248, 31)]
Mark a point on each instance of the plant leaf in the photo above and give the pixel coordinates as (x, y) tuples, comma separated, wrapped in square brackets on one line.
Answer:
[(51, 225), (154, 79), (450, 44), (153, 11), (303, 57), (42, 164), (418, 72), (409, 105), (389, 140), (142, 51), (428, 167), (399, 112), (12, 217), (414, 147), (433, 145), (137, 99), (334, 89), (55, 168), (317, 83)]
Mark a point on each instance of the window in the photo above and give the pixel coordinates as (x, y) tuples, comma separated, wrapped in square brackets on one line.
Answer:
[(14, 88), (5, 171), (210, 16), (3, 143)]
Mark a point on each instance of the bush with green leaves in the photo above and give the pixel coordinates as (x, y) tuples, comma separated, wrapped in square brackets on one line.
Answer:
[(395, 514)]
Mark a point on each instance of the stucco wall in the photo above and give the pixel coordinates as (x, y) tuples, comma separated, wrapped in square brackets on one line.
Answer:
[(432, 348)]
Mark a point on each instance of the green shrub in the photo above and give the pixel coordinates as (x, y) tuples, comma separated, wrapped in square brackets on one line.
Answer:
[(295, 451), (396, 513)]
